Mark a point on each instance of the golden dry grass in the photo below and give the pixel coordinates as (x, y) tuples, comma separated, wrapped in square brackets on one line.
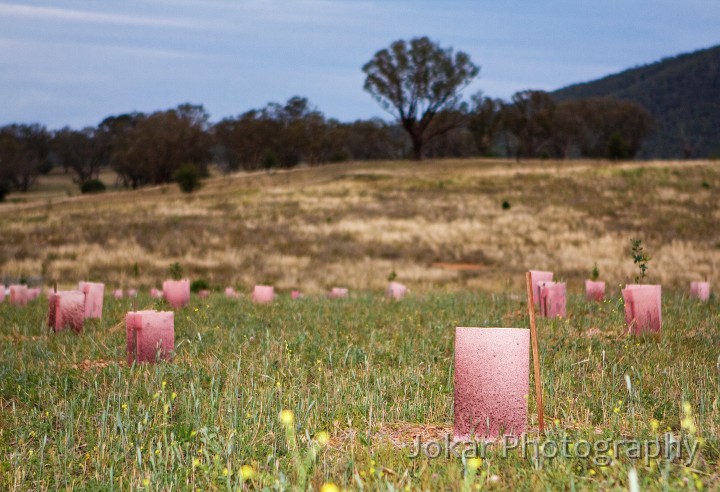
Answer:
[(354, 224)]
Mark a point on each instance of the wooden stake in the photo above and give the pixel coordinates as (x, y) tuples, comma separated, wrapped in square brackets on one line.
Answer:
[(135, 349), (535, 352)]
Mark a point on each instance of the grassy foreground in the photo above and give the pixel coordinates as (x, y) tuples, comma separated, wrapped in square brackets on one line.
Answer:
[(368, 373)]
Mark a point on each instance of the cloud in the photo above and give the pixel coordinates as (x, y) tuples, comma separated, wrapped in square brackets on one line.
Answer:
[(85, 16), (45, 52), (310, 12)]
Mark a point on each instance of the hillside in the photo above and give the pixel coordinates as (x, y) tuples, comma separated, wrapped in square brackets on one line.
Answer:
[(437, 225), (683, 95)]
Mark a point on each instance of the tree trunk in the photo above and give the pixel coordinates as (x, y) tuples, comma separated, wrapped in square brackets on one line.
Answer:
[(415, 134), (417, 148)]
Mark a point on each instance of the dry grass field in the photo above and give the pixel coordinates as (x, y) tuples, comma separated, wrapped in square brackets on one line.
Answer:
[(438, 224)]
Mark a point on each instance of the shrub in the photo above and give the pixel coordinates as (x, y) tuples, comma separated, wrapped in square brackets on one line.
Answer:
[(188, 177), (199, 284), (618, 149), (269, 160), (92, 186)]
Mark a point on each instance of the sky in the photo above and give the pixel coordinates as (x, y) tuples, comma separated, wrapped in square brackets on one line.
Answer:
[(66, 62)]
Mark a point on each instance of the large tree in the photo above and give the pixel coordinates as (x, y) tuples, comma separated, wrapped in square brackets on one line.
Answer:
[(530, 117), (416, 80), (78, 151), (483, 122), (277, 136), (23, 154), (149, 149)]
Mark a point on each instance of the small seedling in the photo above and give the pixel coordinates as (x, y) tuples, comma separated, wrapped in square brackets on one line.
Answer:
[(175, 271), (595, 273), (505, 205), (392, 276), (640, 258)]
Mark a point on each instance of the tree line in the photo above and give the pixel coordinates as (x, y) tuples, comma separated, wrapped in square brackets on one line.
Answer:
[(418, 82)]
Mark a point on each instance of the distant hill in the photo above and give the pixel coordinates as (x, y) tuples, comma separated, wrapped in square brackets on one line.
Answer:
[(683, 95)]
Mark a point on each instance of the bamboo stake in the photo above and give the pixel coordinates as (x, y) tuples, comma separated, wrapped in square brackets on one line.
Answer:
[(535, 352)]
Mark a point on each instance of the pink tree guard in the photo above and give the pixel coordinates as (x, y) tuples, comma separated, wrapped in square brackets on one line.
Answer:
[(132, 292), (553, 299), (492, 377), (643, 308), (700, 290), (118, 294), (296, 294), (263, 294), (177, 292), (94, 292), (204, 294), (18, 295), (338, 293), (2, 292), (594, 291), (33, 293), (396, 290), (230, 292), (156, 293), (538, 276), (66, 309), (150, 336)]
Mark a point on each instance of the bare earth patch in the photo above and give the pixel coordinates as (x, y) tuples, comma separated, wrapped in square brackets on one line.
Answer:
[(87, 365)]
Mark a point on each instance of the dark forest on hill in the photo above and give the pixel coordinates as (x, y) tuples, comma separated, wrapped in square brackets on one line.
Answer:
[(682, 94)]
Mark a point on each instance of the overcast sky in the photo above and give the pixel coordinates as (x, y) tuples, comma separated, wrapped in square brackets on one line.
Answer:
[(67, 62)]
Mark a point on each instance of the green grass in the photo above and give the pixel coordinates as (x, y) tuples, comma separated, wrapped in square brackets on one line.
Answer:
[(368, 372)]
